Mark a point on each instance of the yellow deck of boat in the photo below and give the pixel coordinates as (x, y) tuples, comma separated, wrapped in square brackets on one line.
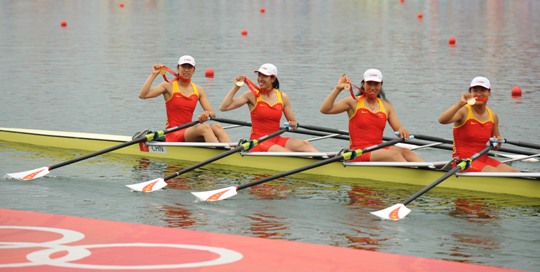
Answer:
[(513, 185)]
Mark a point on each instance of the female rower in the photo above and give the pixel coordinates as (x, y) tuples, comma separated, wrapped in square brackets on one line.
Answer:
[(368, 113), (474, 124), (181, 96), (266, 105)]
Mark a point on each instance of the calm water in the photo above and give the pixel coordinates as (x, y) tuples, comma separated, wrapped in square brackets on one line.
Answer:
[(86, 77)]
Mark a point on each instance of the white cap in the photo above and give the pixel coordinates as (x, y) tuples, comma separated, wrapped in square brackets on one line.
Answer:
[(372, 75), (268, 69), (186, 59), (481, 81)]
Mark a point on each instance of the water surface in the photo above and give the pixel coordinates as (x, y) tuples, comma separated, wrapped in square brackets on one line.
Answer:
[(86, 77)]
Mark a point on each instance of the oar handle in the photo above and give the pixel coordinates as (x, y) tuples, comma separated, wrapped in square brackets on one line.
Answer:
[(140, 139)]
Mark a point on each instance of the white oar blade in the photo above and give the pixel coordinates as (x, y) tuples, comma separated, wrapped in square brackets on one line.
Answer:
[(148, 186), (30, 174), (396, 212), (216, 195)]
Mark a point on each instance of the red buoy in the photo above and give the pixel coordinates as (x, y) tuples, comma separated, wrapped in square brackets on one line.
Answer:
[(244, 32), (209, 73), (121, 4), (516, 91), (452, 41), (63, 23), (263, 10), (420, 16)]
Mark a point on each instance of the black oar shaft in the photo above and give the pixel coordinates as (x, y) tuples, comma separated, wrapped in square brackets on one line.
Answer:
[(417, 136), (317, 164), (433, 139), (97, 153), (445, 176), (225, 154), (447, 141), (299, 131), (231, 121), (203, 163), (122, 145), (290, 172), (430, 186), (323, 129), (523, 144)]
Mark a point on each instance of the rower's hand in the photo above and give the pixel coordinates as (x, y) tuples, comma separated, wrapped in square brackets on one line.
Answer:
[(239, 78), (343, 82), (500, 140), (403, 133), (203, 117), (293, 124), (465, 97), (157, 68)]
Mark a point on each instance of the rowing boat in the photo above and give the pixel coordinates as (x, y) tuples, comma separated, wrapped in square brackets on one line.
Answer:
[(420, 174)]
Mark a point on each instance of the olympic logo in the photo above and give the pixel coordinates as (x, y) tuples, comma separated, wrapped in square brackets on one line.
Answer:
[(78, 252)]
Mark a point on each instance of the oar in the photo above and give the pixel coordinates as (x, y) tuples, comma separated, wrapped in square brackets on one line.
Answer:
[(156, 184), (523, 144), (322, 137), (529, 158), (323, 129), (42, 171), (438, 145), (224, 193), (399, 211), (447, 141), (231, 121), (299, 130)]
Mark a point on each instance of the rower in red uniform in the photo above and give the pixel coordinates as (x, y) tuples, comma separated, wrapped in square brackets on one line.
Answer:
[(181, 96), (368, 113), (267, 104), (474, 124)]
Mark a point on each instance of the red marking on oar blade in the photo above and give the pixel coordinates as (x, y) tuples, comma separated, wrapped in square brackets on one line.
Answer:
[(394, 214), (148, 188), (32, 175), (216, 196)]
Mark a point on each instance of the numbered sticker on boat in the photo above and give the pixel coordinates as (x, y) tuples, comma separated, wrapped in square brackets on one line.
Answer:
[(157, 149)]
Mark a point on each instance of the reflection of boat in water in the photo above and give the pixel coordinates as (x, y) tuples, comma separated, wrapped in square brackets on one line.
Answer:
[(470, 209), (421, 174)]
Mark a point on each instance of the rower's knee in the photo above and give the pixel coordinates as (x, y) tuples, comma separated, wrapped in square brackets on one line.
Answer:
[(216, 128), (398, 157), (301, 146)]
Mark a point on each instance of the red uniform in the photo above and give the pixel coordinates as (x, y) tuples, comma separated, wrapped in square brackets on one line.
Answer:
[(180, 110), (265, 119), (471, 137), (366, 128)]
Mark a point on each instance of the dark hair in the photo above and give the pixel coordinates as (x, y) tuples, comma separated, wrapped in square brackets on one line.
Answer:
[(470, 88), (275, 85), (381, 93)]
